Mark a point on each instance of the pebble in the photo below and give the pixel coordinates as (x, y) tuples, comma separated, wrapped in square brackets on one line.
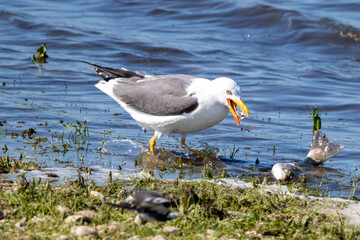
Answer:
[(137, 220), (210, 231), (134, 238), (97, 194), (113, 225), (8, 212), (101, 227), (63, 209), (89, 214), (84, 231), (171, 229), (64, 237), (122, 193), (110, 227), (76, 218), (21, 223), (158, 237), (38, 219), (235, 213)]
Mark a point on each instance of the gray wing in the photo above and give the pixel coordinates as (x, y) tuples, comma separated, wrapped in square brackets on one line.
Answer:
[(163, 95)]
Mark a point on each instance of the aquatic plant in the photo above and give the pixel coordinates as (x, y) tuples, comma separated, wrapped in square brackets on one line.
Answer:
[(234, 151), (11, 165), (81, 131), (41, 55), (316, 119)]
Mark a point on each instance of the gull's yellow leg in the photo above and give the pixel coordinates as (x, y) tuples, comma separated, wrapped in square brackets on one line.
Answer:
[(152, 143), (183, 142), (196, 152)]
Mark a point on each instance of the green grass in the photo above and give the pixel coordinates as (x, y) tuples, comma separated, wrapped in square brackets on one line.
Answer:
[(231, 213), (11, 165)]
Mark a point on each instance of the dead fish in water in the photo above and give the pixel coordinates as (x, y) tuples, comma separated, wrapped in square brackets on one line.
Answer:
[(320, 151), (149, 206), (284, 171)]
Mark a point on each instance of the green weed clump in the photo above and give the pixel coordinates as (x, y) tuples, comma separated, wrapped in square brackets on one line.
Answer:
[(41, 55), (11, 165), (316, 119)]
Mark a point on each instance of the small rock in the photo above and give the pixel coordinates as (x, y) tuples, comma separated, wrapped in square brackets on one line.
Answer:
[(89, 214), (63, 209), (122, 193), (97, 194), (129, 199), (3, 221), (64, 237), (102, 232), (77, 218), (137, 220), (8, 212), (84, 231), (113, 225), (101, 227), (38, 219), (21, 223), (210, 231), (158, 237), (134, 238), (235, 213), (171, 229)]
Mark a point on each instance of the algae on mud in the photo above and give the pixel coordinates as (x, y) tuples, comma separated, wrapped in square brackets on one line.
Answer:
[(206, 210)]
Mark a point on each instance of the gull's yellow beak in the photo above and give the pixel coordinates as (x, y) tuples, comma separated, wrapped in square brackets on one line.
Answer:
[(233, 108)]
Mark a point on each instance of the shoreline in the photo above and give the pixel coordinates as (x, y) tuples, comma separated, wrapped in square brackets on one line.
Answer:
[(209, 208)]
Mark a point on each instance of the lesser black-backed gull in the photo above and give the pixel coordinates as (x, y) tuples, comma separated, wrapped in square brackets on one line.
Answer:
[(167, 104)]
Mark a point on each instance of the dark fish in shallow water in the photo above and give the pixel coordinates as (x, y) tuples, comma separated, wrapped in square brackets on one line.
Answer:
[(149, 206), (320, 151)]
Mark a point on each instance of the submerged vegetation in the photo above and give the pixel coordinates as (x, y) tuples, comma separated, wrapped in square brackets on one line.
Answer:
[(73, 137), (8, 165), (35, 210)]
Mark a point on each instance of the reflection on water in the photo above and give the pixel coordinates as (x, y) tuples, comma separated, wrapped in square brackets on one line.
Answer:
[(287, 57)]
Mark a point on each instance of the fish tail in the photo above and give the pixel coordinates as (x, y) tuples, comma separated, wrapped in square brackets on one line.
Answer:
[(322, 149)]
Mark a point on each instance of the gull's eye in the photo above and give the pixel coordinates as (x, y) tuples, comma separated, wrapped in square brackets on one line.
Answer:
[(229, 92)]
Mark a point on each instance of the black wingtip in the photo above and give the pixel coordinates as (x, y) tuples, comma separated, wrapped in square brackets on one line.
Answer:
[(111, 73), (123, 205)]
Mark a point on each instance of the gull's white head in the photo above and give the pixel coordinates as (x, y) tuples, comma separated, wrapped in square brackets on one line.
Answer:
[(229, 95)]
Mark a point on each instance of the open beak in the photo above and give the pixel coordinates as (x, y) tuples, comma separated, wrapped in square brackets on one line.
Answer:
[(233, 108)]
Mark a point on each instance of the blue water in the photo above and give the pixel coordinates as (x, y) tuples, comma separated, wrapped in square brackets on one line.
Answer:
[(287, 57)]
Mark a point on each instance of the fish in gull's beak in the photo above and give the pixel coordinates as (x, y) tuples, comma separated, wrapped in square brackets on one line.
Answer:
[(233, 108)]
